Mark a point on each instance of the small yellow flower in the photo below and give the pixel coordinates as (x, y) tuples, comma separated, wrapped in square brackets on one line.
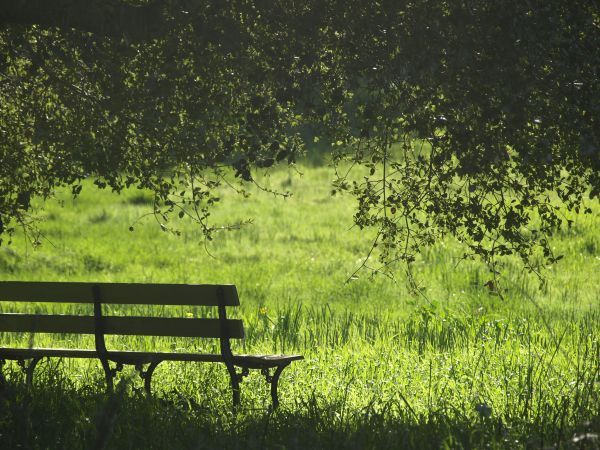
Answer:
[(189, 314), (262, 311)]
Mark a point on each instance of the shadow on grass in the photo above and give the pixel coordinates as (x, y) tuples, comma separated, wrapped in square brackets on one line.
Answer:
[(53, 415)]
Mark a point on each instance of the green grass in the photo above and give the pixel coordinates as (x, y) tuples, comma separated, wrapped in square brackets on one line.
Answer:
[(457, 367)]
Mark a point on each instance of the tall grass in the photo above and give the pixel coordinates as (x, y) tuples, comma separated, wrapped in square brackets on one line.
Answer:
[(453, 366)]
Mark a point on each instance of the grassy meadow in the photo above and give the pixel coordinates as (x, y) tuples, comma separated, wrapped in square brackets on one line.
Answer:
[(454, 366)]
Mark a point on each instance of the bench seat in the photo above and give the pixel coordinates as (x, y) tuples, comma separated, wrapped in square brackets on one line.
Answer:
[(133, 357)]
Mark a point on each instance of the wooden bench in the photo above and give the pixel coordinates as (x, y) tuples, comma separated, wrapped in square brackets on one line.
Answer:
[(98, 324)]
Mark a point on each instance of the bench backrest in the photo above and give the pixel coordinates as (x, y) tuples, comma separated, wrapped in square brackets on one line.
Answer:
[(97, 294)]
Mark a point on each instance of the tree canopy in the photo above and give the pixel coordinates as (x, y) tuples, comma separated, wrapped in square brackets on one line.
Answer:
[(472, 118)]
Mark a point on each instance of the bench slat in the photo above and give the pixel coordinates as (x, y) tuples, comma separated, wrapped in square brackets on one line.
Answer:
[(131, 326), (132, 357), (118, 293)]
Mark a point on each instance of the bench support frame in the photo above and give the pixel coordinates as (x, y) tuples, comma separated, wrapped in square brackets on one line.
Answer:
[(273, 380), (226, 350), (28, 368), (146, 374)]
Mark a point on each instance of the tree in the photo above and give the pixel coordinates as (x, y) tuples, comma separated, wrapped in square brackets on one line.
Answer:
[(474, 118)]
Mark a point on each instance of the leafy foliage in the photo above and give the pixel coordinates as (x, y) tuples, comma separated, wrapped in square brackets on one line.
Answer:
[(478, 119)]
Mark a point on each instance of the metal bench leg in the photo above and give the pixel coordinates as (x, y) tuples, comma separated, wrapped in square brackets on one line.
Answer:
[(146, 375), (29, 368), (110, 374), (107, 374), (235, 385), (2, 378), (273, 380), (236, 379)]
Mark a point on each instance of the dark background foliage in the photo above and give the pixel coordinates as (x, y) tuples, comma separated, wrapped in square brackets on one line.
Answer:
[(474, 118)]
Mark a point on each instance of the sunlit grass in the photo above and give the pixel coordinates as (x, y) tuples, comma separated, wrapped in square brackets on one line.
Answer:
[(454, 365)]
